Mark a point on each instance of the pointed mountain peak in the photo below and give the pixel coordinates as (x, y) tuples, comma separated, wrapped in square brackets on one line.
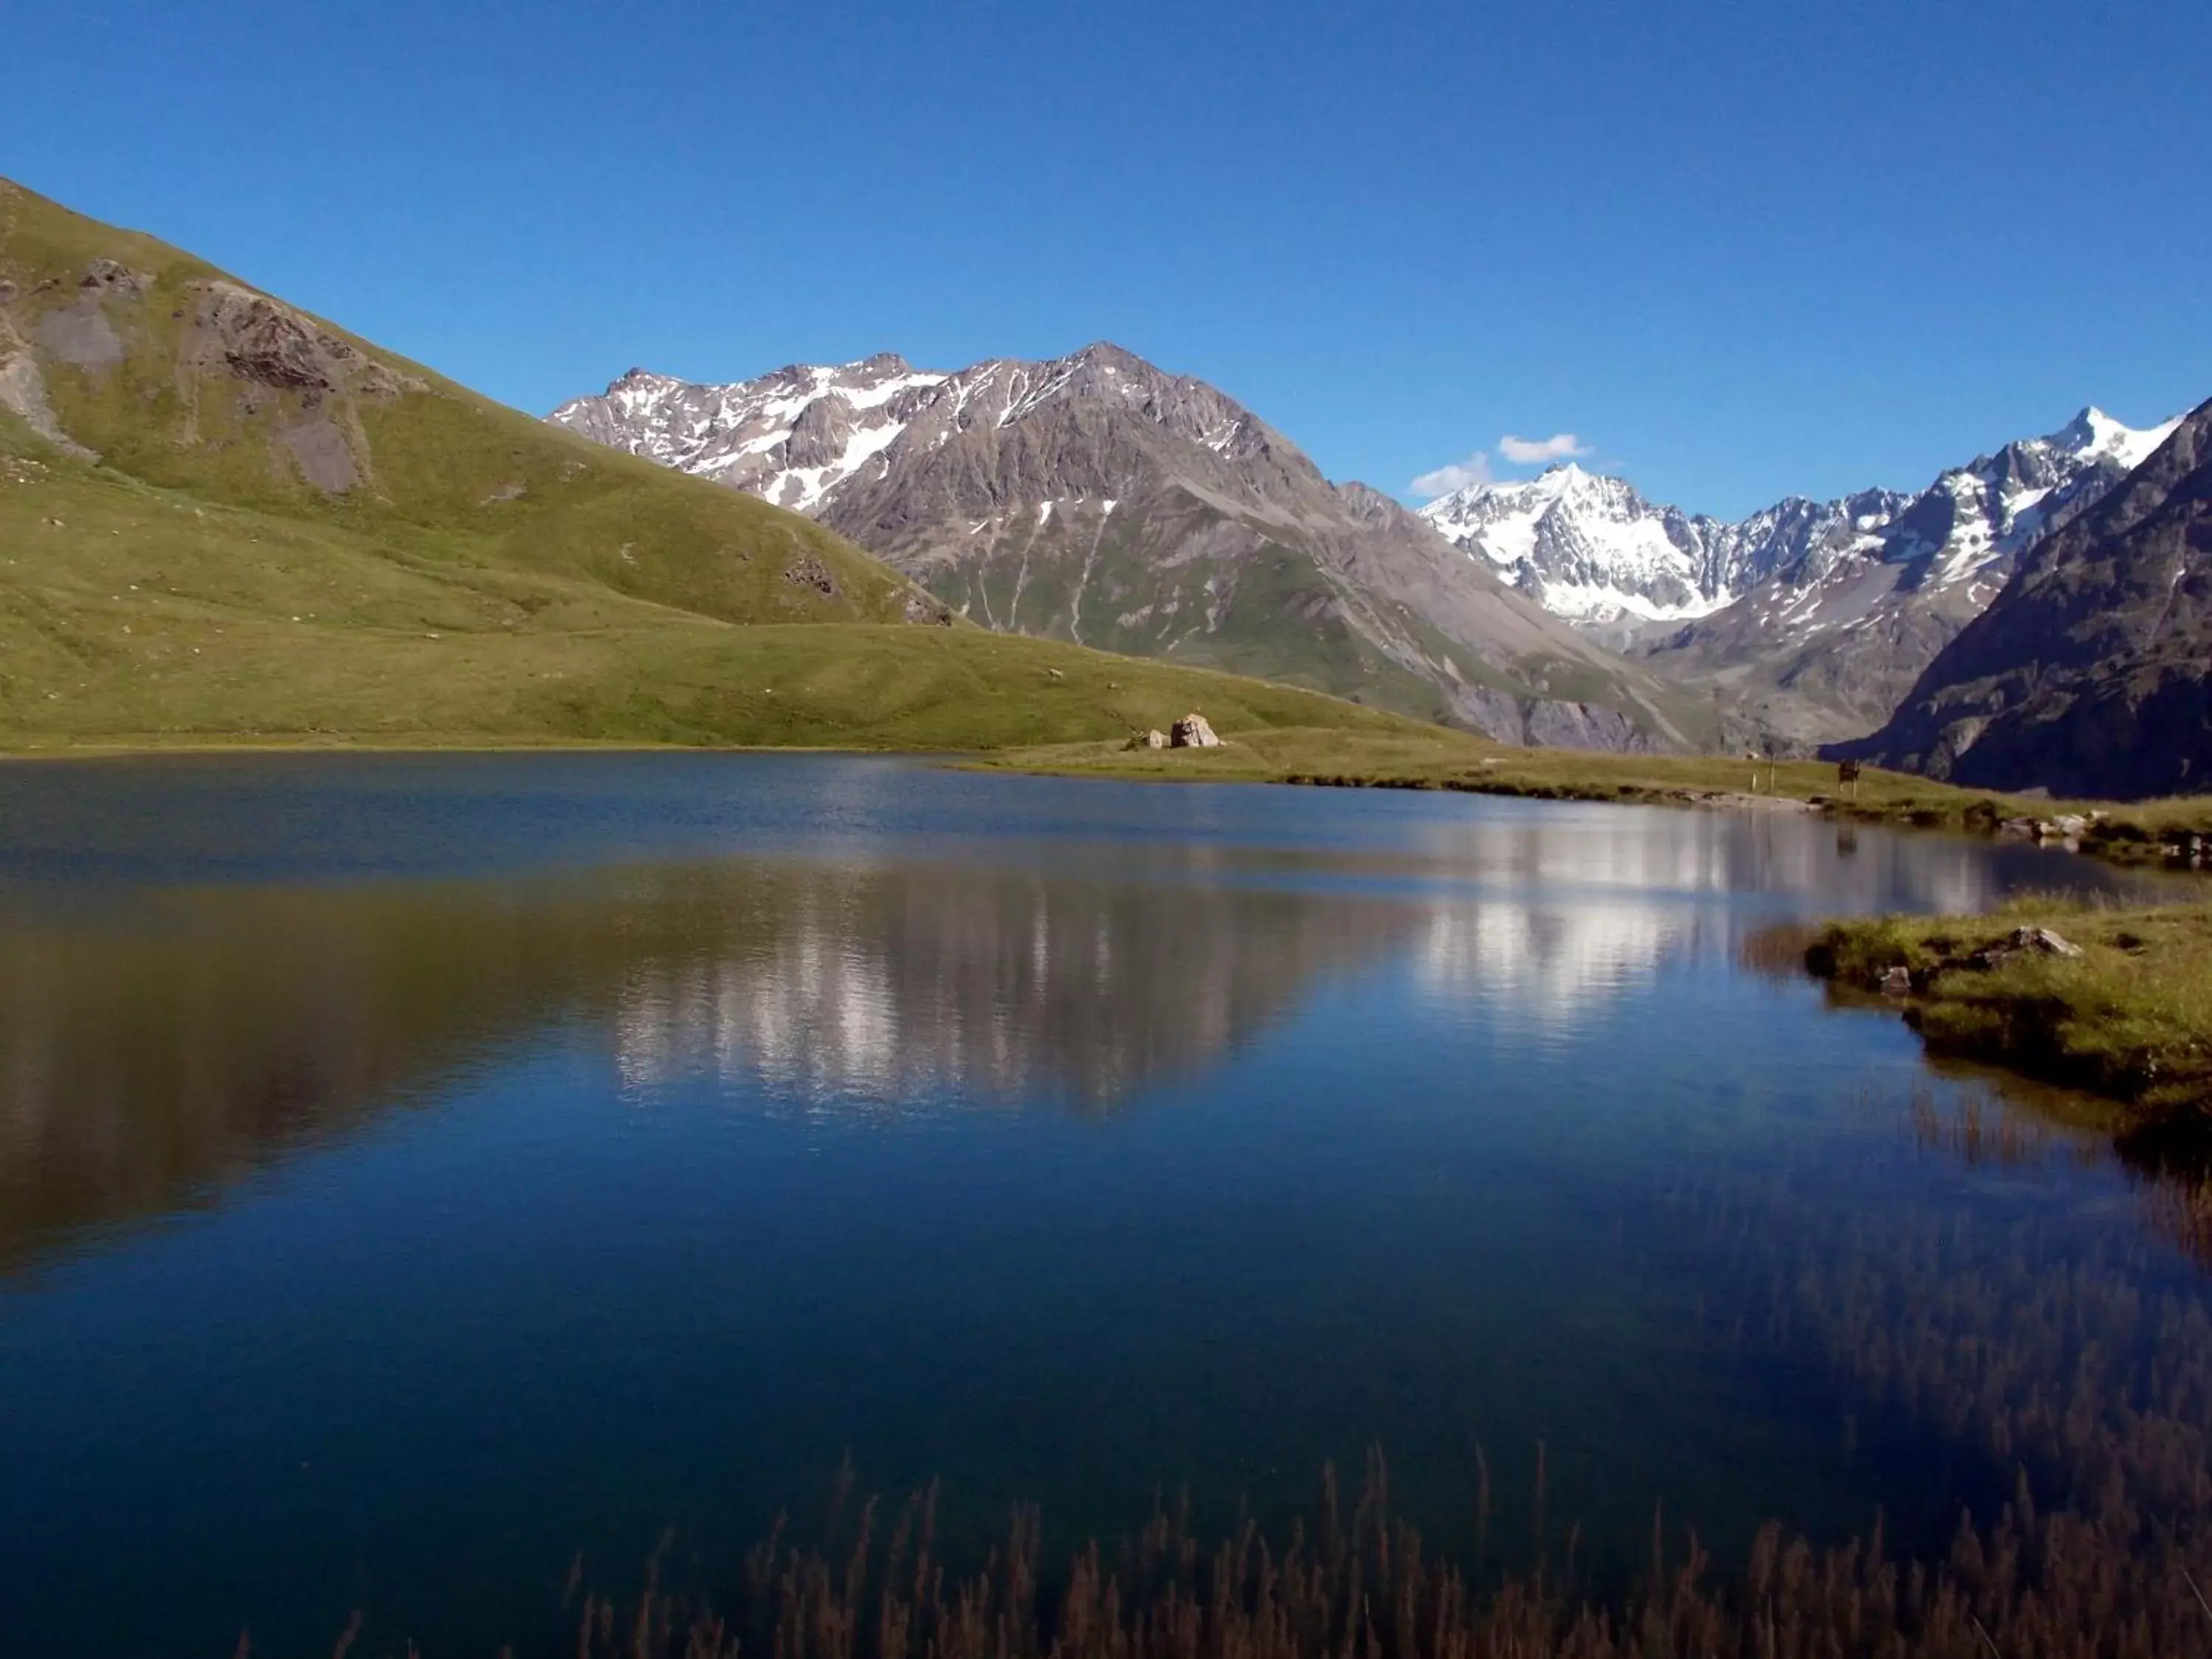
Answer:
[(1105, 352), (2079, 435), (1564, 476), (1570, 480)]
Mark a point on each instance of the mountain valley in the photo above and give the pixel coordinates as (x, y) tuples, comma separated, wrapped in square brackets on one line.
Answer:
[(1097, 499), (224, 519)]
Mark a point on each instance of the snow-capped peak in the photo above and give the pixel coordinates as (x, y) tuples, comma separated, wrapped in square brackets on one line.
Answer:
[(1560, 478), (2093, 435), (1584, 544)]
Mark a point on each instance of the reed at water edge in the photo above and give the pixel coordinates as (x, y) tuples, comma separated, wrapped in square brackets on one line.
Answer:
[(2058, 1586), (2069, 1387)]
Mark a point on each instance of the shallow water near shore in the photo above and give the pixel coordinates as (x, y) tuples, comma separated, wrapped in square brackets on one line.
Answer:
[(415, 1171)]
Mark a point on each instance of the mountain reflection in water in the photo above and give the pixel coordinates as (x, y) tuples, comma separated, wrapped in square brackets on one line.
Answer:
[(148, 1058), (158, 1042)]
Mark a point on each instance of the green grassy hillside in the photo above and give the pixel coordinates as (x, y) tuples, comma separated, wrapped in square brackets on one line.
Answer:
[(221, 519)]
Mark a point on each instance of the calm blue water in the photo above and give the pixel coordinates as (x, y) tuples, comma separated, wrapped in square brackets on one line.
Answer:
[(415, 1172)]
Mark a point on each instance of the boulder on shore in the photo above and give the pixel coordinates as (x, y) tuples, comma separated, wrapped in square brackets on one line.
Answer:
[(1155, 739), (1192, 732)]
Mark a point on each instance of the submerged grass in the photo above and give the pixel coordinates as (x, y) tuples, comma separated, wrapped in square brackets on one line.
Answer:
[(2064, 1585)]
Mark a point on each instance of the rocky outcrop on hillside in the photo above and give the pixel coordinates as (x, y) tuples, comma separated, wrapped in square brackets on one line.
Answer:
[(2091, 673), (307, 381)]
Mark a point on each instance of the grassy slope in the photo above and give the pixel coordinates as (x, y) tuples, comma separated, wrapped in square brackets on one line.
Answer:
[(145, 616), (489, 578), (2130, 1018), (454, 480)]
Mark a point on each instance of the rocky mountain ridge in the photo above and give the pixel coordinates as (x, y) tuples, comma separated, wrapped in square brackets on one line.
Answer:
[(1831, 634), (2091, 672)]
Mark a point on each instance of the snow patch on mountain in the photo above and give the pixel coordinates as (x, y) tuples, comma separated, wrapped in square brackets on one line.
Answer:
[(792, 436), (2092, 434)]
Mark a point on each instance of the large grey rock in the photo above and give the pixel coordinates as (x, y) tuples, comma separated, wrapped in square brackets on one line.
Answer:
[(1192, 732)]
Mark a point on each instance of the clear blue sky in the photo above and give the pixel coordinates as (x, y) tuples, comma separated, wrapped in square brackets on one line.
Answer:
[(1740, 249)]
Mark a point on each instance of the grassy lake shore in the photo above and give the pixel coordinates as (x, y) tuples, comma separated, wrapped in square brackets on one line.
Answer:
[(1434, 758), (2127, 1015)]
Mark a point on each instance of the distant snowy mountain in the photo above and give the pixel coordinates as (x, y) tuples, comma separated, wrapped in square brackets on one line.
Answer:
[(1592, 550), (2087, 675), (1827, 610), (1976, 515)]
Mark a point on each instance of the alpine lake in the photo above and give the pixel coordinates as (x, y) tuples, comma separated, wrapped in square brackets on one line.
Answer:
[(417, 1173)]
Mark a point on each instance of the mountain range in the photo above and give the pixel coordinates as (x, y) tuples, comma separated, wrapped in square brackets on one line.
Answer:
[(1098, 499), (1813, 617), (2087, 674)]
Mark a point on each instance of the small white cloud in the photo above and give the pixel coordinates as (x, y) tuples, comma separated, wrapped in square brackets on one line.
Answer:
[(1474, 469), (1516, 452), (1529, 452)]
